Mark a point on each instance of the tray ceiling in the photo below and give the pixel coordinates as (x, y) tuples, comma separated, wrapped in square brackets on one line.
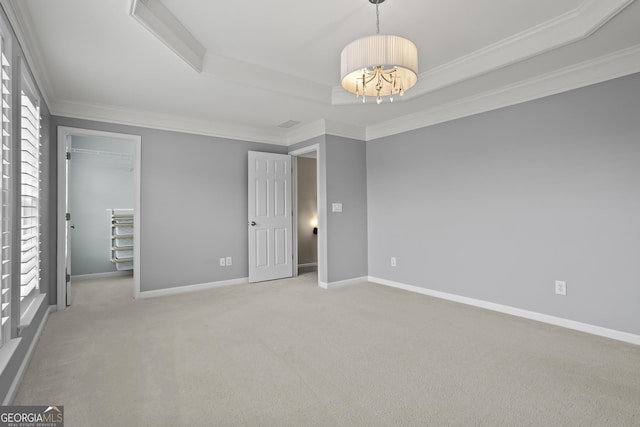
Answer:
[(240, 69)]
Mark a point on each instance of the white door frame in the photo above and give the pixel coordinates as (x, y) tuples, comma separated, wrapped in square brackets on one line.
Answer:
[(65, 132), (322, 219)]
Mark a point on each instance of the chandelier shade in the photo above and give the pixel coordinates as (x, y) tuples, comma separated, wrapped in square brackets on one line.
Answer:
[(379, 65)]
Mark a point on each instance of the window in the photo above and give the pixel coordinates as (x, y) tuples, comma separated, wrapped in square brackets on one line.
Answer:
[(29, 197), (5, 198)]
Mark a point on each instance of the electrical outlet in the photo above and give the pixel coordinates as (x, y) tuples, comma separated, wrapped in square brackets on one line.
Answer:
[(228, 261), (561, 287), (223, 262), (394, 261)]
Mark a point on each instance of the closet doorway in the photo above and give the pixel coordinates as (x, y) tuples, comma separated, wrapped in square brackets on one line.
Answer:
[(98, 174), (309, 216), (307, 224)]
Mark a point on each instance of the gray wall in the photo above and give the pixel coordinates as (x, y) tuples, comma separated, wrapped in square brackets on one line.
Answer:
[(500, 205), (97, 182), (193, 204), (307, 210), (346, 184)]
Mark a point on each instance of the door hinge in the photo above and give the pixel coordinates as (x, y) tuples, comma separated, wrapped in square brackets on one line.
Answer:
[(68, 216), (68, 155), (68, 277)]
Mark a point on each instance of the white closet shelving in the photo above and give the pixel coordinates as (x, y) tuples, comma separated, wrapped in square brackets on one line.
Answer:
[(122, 238)]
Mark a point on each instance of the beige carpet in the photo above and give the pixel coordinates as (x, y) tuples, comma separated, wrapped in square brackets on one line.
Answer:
[(287, 353)]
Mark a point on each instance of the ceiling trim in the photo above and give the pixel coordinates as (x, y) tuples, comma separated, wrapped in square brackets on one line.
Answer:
[(307, 131), (581, 22), (164, 25), (606, 67), (346, 130), (562, 30), (168, 122), (156, 18), (325, 127), (264, 78), (22, 27)]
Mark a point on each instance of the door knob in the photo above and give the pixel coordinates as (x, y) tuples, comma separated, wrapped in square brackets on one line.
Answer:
[(252, 223)]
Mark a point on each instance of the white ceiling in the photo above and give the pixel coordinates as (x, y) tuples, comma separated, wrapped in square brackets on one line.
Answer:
[(265, 63)]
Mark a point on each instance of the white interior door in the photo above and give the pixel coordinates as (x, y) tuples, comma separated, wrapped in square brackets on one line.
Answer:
[(270, 217)]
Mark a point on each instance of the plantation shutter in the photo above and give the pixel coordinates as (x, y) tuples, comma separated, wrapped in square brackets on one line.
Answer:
[(5, 197), (30, 189)]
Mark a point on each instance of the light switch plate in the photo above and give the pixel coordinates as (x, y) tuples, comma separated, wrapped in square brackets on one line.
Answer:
[(336, 207)]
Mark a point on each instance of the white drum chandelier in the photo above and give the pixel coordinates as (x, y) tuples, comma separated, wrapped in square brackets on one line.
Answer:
[(381, 65)]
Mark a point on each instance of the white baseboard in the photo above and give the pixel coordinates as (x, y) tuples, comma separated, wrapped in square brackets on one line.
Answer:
[(103, 275), (308, 264), (532, 315), (17, 380), (192, 288), (342, 283)]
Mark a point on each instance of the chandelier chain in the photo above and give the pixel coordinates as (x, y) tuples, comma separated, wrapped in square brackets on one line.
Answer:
[(377, 17)]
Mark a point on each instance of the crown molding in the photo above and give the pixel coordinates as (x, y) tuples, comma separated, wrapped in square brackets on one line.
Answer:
[(306, 131), (156, 18), (325, 127), (345, 130), (23, 28), (570, 27), (565, 29), (562, 30), (606, 67), (168, 122)]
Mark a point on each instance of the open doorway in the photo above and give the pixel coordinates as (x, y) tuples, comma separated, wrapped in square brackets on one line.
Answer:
[(99, 172), (307, 214), (309, 229)]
